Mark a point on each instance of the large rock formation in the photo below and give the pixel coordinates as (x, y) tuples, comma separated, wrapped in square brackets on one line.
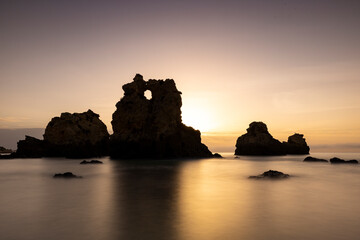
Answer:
[(296, 144), (258, 141), (76, 135), (153, 128)]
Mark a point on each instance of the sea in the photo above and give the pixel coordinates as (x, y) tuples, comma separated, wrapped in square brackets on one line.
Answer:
[(199, 199)]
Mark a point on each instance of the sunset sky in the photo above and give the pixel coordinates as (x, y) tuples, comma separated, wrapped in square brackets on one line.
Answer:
[(294, 65)]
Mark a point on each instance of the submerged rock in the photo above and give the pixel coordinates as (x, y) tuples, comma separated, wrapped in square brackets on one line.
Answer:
[(336, 160), (296, 144), (76, 135), (66, 175), (258, 141), (312, 159), (153, 128), (91, 162), (30, 148), (271, 174)]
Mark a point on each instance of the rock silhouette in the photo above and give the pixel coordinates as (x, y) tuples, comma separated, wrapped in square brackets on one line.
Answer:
[(153, 128), (30, 148), (336, 160), (65, 175), (258, 141), (76, 135), (271, 174), (312, 159), (91, 162), (296, 144)]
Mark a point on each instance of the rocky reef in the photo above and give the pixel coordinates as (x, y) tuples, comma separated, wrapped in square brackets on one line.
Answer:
[(76, 135), (258, 141), (152, 128)]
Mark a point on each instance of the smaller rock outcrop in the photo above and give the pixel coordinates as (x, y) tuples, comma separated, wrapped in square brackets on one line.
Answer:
[(91, 162), (296, 144), (30, 148), (336, 160), (271, 174), (65, 175), (5, 150), (77, 135), (258, 141), (312, 159), (217, 155)]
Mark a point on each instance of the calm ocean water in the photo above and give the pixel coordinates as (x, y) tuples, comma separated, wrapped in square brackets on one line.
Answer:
[(189, 199)]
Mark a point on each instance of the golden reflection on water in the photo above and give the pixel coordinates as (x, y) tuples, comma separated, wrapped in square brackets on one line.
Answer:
[(180, 200)]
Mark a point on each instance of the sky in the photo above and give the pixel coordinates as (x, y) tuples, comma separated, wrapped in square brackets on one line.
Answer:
[(294, 65)]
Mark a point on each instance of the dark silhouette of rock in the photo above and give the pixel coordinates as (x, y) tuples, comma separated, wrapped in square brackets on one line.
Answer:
[(271, 174), (296, 144), (91, 162), (312, 159), (66, 175), (77, 135), (258, 141), (30, 148), (153, 128), (217, 155), (336, 160), (5, 150)]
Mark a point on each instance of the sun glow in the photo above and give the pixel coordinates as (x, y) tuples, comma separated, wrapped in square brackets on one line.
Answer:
[(199, 118)]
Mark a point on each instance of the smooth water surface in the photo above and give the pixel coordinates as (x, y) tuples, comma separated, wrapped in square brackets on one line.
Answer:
[(188, 199)]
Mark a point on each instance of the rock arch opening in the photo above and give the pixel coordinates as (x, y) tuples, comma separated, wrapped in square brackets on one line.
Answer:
[(148, 94)]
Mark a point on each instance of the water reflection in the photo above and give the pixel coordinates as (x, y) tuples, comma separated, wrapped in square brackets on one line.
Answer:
[(146, 193)]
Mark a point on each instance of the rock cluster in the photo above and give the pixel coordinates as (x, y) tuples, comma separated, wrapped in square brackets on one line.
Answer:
[(153, 128), (258, 141)]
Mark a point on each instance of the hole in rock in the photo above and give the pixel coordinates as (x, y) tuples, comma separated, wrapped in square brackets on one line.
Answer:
[(148, 94)]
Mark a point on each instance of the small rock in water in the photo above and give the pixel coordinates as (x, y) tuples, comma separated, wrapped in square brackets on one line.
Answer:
[(312, 159), (336, 160), (217, 155), (66, 175), (91, 162), (271, 174)]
